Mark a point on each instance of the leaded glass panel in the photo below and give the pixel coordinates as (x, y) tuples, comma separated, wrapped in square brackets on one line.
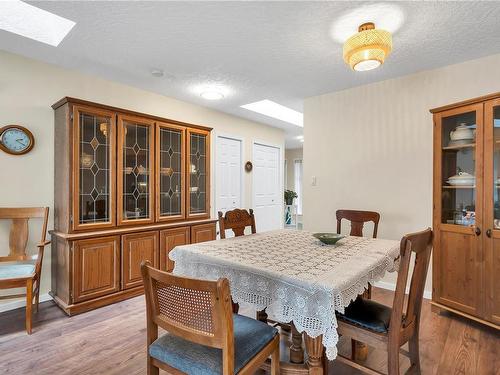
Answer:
[(136, 171), (94, 168), (197, 173), (170, 172)]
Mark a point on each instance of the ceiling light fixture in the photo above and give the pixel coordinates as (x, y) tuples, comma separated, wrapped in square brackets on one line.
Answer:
[(367, 49), (212, 94), (31, 22), (271, 109)]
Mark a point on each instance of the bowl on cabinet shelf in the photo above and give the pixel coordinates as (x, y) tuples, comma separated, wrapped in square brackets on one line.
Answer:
[(462, 133), (461, 179)]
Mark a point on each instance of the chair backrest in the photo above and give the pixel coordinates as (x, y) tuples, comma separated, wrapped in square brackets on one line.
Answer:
[(419, 243), (358, 219), (236, 220), (197, 310), (19, 232)]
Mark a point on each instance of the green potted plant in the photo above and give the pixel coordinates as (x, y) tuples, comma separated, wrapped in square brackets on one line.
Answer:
[(289, 196)]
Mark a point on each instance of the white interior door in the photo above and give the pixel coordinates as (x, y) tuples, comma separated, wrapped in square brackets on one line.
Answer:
[(267, 195), (228, 174)]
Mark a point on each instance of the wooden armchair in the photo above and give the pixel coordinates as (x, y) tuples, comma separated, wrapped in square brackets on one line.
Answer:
[(236, 220), (203, 336), (16, 270), (378, 325)]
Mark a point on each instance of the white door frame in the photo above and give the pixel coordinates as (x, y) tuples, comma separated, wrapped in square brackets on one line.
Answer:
[(242, 176), (281, 166)]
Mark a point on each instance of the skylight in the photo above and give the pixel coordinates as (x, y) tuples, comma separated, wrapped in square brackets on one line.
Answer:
[(269, 108), (31, 22)]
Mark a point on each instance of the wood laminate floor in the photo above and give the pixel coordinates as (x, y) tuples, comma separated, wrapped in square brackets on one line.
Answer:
[(111, 340)]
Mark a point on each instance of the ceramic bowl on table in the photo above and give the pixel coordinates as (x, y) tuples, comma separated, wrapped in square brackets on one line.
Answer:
[(328, 238)]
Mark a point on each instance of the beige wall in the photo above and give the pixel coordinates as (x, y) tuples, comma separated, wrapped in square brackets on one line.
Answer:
[(370, 147), (28, 89), (291, 155)]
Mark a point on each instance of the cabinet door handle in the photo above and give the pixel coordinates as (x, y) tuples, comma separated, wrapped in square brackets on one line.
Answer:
[(488, 233), (478, 231)]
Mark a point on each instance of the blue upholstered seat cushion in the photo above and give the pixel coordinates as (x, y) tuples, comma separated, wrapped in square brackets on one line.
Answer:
[(250, 336), (368, 314), (16, 270)]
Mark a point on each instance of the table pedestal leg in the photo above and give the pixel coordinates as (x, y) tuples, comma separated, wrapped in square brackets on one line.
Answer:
[(262, 316), (236, 307), (296, 351), (315, 361)]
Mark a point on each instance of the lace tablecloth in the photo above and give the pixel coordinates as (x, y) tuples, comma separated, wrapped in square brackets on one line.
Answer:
[(292, 274)]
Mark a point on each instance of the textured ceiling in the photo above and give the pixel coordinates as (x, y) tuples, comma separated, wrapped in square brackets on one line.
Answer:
[(282, 51)]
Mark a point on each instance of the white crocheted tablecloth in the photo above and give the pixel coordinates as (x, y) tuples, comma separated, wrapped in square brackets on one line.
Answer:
[(292, 274)]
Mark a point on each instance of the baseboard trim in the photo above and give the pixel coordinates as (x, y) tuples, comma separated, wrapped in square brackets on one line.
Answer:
[(391, 286), (12, 305)]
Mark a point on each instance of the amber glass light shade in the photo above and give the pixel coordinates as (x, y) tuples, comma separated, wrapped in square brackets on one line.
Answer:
[(367, 49)]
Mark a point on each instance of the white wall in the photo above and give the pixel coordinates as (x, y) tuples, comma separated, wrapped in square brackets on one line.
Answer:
[(370, 147), (28, 89), (291, 154)]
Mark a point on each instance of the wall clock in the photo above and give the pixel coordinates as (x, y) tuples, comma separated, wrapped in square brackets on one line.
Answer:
[(16, 139)]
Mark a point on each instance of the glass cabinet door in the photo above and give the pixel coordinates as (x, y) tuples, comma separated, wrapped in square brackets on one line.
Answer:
[(198, 165), (460, 177), (492, 212), (170, 172), (135, 165), (94, 155), (458, 207)]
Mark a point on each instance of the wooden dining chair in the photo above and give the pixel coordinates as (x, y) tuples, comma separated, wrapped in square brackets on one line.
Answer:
[(236, 220), (18, 269), (382, 326), (203, 335), (358, 220)]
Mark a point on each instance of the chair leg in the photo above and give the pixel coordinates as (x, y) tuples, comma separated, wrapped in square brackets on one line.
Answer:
[(275, 361), (414, 352), (152, 369), (393, 359), (37, 296), (29, 304), (353, 349)]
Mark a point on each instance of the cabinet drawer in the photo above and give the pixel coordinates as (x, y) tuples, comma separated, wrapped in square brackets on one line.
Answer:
[(170, 238), (96, 267), (203, 233), (137, 248)]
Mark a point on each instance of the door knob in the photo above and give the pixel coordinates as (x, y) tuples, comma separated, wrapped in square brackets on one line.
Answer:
[(488, 233), (478, 231)]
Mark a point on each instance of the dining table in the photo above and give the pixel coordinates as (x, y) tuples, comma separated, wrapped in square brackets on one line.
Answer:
[(296, 279)]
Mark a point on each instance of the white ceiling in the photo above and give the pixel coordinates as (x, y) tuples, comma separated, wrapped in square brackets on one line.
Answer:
[(282, 51)]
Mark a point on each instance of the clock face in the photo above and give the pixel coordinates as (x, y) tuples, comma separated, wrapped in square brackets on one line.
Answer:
[(16, 140)]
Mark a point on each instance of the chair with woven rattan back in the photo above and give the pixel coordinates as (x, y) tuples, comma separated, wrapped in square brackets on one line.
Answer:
[(379, 325), (203, 335), (20, 269), (236, 220)]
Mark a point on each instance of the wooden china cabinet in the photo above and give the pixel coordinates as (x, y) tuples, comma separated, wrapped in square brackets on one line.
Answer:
[(129, 187), (466, 258)]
